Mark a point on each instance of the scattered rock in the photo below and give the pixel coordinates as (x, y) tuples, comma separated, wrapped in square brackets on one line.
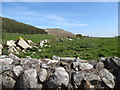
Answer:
[(23, 44)]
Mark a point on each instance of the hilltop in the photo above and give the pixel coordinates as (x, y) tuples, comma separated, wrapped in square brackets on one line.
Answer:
[(12, 26), (59, 32)]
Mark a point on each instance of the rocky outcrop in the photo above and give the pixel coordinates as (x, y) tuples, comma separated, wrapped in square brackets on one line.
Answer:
[(59, 73)]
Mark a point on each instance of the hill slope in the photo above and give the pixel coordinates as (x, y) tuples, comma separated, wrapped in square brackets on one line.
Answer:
[(59, 32), (12, 26)]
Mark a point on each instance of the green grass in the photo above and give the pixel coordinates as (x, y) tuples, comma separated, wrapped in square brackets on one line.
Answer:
[(34, 37), (87, 48)]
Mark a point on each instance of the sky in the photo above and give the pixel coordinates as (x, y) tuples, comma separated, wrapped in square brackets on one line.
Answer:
[(99, 19)]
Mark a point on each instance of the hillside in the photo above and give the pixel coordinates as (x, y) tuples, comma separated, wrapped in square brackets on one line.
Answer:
[(12, 26), (59, 32)]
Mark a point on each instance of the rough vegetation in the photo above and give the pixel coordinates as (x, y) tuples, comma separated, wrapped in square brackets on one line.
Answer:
[(85, 48), (12, 26)]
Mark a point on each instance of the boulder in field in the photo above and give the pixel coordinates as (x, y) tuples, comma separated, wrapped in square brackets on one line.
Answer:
[(23, 44), (10, 43)]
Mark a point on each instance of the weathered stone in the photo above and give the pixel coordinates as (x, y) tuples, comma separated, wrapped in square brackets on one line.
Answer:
[(79, 76), (28, 79), (7, 68), (76, 79), (55, 57), (17, 70), (3, 56), (12, 50), (52, 61), (42, 74), (99, 65), (22, 43), (109, 63), (116, 61), (6, 61), (59, 77), (11, 43), (14, 57), (84, 66), (8, 82), (67, 59), (107, 78)]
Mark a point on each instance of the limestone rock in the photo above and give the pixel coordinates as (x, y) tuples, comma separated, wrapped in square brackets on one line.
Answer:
[(42, 74), (59, 77), (55, 58), (28, 79), (17, 70), (11, 43), (8, 82), (6, 61), (84, 66), (107, 78), (22, 43)]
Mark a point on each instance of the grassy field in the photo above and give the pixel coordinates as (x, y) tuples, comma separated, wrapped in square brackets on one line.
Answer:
[(34, 37), (85, 48)]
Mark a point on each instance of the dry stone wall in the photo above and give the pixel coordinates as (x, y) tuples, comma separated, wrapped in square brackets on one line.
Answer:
[(59, 73)]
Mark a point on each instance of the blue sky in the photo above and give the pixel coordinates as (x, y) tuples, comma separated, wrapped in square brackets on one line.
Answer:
[(87, 18)]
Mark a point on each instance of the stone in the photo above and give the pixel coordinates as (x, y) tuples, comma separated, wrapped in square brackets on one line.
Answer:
[(52, 61), (28, 79), (14, 57), (7, 68), (59, 77), (67, 59), (110, 63), (99, 65), (75, 65), (10, 43), (79, 76), (17, 70), (3, 56), (85, 66), (12, 50), (22, 43), (55, 58), (8, 82), (116, 61), (76, 79), (6, 61), (107, 78), (42, 74)]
